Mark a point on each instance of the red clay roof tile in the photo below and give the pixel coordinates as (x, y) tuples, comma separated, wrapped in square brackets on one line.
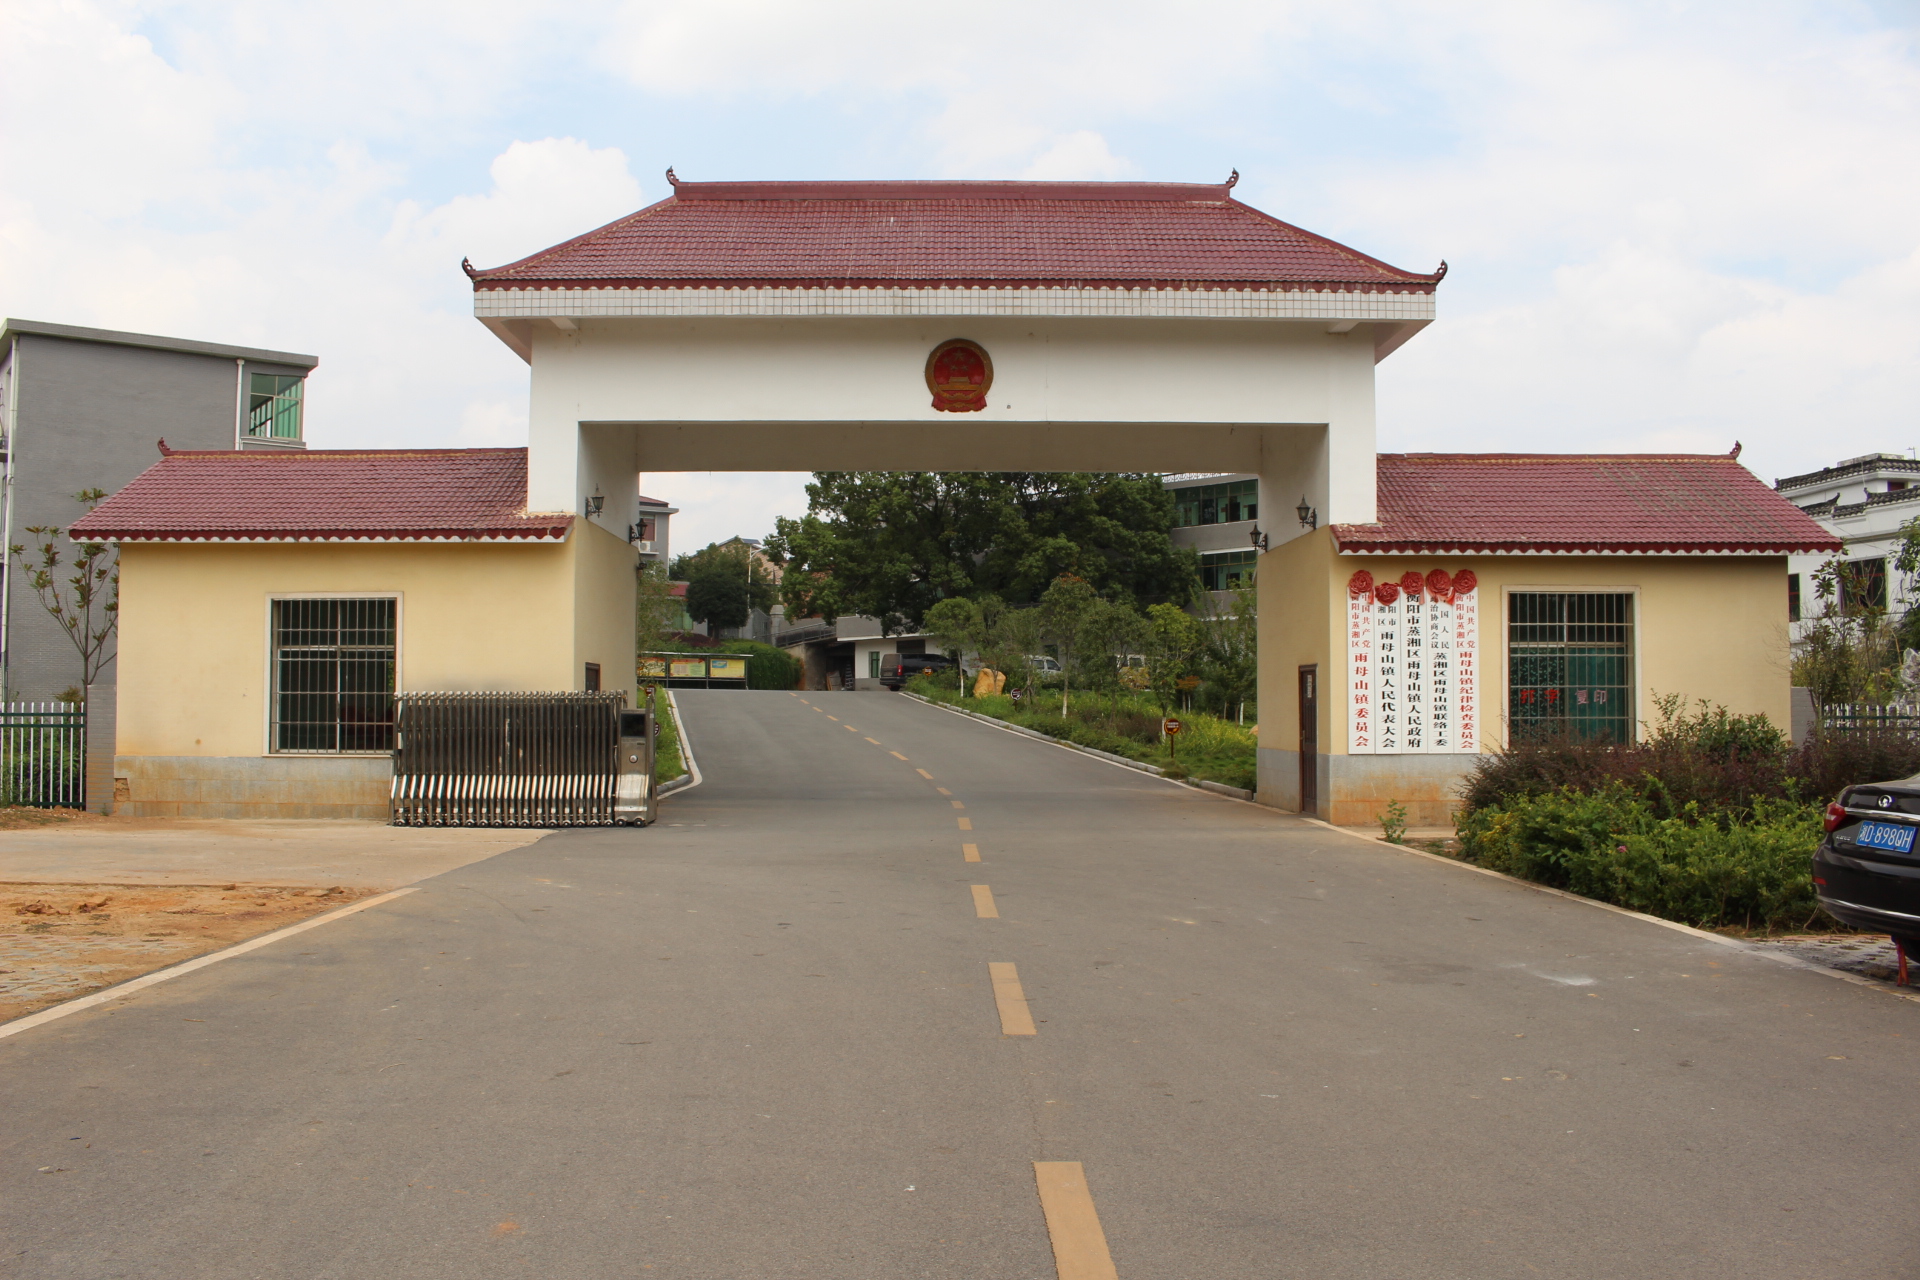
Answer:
[(1518, 503), (349, 495), (845, 234)]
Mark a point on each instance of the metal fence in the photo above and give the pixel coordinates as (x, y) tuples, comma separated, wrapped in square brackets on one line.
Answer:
[(43, 754), (506, 759), (1896, 717)]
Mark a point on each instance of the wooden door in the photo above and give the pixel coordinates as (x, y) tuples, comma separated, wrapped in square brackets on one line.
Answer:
[(1310, 739)]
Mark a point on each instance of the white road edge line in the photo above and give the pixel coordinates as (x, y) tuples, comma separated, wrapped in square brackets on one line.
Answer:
[(686, 750), (1142, 771), (198, 962), (1736, 944), (1792, 962)]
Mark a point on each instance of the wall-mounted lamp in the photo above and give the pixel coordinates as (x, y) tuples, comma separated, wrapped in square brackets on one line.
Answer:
[(1259, 539), (595, 504), (1309, 518)]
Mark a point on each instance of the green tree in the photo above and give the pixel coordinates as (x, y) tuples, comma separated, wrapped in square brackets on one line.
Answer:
[(1229, 661), (657, 611), (86, 603), (889, 545), (1175, 639), (725, 583)]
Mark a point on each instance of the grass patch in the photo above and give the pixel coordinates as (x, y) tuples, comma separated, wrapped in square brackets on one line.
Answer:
[(1208, 748), (668, 763)]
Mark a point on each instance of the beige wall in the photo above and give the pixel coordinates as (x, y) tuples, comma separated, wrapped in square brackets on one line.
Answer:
[(194, 621), (1712, 628)]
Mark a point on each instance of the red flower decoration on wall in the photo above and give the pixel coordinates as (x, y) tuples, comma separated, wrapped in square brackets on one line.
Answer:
[(1440, 584), (1360, 584), (1412, 583), (1464, 581), (1386, 593)]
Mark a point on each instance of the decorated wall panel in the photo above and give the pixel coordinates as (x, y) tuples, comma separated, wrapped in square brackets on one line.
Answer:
[(1413, 663)]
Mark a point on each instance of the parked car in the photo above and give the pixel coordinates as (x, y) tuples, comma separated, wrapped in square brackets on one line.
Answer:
[(898, 668), (1866, 871), (1046, 670)]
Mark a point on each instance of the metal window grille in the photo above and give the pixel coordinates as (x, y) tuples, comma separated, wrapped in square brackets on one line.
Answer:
[(273, 406), (333, 666), (1570, 665), (43, 754)]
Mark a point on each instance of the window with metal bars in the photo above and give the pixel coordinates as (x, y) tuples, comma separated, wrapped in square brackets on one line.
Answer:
[(1570, 665), (333, 672)]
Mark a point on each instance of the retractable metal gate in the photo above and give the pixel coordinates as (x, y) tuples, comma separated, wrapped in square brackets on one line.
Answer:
[(506, 759)]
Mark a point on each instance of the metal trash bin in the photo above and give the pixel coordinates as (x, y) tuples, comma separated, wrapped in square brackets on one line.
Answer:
[(635, 800)]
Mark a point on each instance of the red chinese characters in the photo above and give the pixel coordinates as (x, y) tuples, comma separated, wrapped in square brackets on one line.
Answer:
[(959, 374)]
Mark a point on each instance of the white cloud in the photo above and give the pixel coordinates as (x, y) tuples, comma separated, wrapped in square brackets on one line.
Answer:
[(1081, 155), (543, 192)]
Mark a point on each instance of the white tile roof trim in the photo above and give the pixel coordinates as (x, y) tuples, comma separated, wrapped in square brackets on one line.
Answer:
[(1225, 304)]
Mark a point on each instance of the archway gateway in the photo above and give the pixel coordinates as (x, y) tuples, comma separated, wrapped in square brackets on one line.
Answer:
[(948, 326)]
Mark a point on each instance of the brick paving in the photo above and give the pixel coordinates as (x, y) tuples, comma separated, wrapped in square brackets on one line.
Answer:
[(38, 966)]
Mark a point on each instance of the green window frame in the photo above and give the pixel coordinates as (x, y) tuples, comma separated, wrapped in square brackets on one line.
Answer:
[(273, 406), (333, 675), (1224, 570), (1570, 665), (1227, 503)]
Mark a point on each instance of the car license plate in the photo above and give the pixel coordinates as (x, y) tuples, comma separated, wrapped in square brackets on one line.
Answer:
[(1886, 835)]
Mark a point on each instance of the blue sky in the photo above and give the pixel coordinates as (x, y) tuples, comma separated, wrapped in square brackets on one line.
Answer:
[(1670, 226)]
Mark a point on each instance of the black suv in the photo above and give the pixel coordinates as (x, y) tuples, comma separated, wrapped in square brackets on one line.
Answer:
[(898, 668), (1867, 870)]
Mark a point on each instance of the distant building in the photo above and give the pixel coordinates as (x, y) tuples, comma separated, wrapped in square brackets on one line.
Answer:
[(650, 533), (1863, 501), (1217, 516), (83, 410)]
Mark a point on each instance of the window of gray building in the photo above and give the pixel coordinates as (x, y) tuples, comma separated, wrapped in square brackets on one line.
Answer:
[(1225, 570), (273, 407), (333, 675), (1216, 503)]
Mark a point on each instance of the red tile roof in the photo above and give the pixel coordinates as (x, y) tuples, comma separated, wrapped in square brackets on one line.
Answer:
[(342, 495), (848, 234), (1579, 504)]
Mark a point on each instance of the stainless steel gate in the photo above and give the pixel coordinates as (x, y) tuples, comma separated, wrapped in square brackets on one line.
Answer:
[(506, 759)]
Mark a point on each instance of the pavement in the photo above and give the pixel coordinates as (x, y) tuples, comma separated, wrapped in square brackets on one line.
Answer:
[(368, 855), (763, 1040)]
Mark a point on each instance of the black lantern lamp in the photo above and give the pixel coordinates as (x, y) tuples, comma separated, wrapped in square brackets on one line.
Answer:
[(1309, 518), (1259, 539), (596, 504)]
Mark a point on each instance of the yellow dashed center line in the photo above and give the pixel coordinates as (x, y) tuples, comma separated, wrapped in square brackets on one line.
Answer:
[(970, 852), (850, 729), (835, 719), (1079, 1245), (874, 741), (923, 773), (956, 804), (966, 824), (983, 908), (1010, 1000), (943, 791), (896, 755)]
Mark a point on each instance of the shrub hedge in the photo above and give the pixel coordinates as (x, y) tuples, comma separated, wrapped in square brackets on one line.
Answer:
[(771, 668)]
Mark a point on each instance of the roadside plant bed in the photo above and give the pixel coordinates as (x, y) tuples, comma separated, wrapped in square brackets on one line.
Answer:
[(1749, 872), (1712, 821), (1208, 748)]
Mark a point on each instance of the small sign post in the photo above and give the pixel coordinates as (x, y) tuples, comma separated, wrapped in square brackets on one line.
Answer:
[(1171, 728)]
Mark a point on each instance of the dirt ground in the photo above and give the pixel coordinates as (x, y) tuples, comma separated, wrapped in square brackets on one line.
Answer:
[(62, 941), (20, 817)]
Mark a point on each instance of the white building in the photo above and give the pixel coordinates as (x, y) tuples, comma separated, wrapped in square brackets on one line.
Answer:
[(1863, 501)]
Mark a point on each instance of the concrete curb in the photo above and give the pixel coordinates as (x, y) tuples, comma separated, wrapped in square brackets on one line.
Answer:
[(692, 777), (1218, 788), (1736, 944)]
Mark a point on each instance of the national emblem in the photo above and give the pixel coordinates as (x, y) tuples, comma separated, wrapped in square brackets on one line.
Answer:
[(959, 374)]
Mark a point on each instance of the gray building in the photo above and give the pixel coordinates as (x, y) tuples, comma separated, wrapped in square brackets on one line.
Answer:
[(84, 409), (1216, 516)]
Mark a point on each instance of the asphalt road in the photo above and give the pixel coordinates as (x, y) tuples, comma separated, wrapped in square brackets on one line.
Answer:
[(759, 1040)]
